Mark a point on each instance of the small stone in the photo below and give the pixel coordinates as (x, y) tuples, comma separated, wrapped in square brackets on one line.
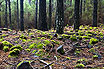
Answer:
[(24, 65), (60, 50)]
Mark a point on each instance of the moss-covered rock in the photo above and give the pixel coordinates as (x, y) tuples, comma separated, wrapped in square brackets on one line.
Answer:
[(80, 66), (5, 48), (24, 65), (32, 45), (28, 50), (14, 53), (16, 47), (6, 43), (73, 38), (93, 41), (65, 36)]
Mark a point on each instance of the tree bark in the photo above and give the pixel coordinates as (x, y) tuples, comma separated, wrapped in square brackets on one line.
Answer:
[(36, 14), (42, 16), (0, 16), (95, 14), (17, 16), (81, 8), (6, 21), (10, 23), (50, 14), (60, 17), (76, 15), (21, 15)]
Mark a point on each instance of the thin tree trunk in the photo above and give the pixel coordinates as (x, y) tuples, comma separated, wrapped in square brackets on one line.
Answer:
[(0, 16), (50, 14), (70, 3), (84, 5), (81, 8), (60, 17), (17, 16), (6, 21), (76, 15), (10, 14), (36, 15), (21, 15), (42, 15), (95, 14)]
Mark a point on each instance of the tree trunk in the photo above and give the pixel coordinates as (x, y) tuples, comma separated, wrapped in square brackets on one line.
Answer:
[(60, 17), (42, 15), (6, 21), (17, 16), (0, 16), (21, 15), (70, 3), (50, 14), (95, 14), (84, 5), (76, 15), (81, 8), (10, 23), (36, 14)]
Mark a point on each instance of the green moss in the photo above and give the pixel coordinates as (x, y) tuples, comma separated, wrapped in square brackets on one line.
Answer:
[(56, 42), (81, 60), (95, 57), (68, 58), (4, 35), (46, 42), (32, 45), (23, 40), (5, 48), (43, 38), (79, 37), (38, 38), (40, 45), (73, 38), (40, 53), (6, 43), (28, 50), (22, 62), (80, 66), (85, 37), (93, 41), (31, 34), (16, 42), (14, 53), (16, 47), (23, 37), (33, 51), (92, 50), (65, 36)]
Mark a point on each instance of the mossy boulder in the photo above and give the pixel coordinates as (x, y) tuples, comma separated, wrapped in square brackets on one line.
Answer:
[(16, 47), (6, 43), (24, 65), (14, 53), (65, 36), (73, 38), (80, 66), (5, 48), (93, 41)]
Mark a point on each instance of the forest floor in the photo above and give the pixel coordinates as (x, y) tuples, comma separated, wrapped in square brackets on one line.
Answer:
[(82, 48)]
